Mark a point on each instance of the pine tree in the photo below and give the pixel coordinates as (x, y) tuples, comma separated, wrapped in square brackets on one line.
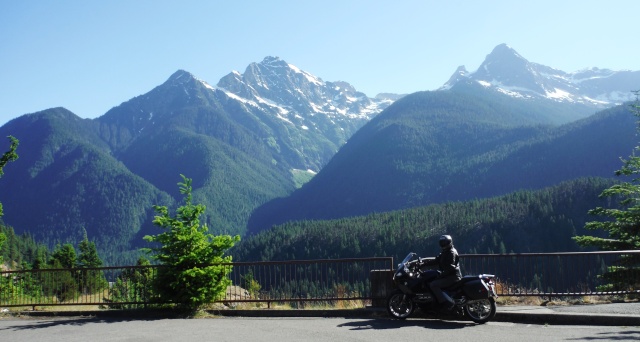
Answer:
[(91, 281), (623, 223), (7, 157), (63, 256), (65, 286), (193, 275), (88, 254)]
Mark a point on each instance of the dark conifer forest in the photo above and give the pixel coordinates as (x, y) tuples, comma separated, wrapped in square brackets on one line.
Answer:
[(524, 221)]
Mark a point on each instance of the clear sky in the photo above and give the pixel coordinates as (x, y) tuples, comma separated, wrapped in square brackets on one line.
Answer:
[(89, 56)]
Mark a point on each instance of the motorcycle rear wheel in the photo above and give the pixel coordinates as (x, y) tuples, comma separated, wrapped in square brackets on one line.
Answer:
[(481, 311), (399, 305)]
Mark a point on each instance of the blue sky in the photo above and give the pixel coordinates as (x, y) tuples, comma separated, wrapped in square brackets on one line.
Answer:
[(89, 56)]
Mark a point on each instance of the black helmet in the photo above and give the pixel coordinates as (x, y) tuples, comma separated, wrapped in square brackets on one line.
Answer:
[(445, 241)]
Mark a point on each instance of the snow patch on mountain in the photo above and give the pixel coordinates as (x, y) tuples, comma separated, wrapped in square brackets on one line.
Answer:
[(207, 85), (307, 75)]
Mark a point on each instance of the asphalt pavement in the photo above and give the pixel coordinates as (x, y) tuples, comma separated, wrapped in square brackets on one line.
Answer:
[(614, 314), (619, 314), (294, 329)]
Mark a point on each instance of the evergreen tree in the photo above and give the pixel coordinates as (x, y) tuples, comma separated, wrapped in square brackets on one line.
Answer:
[(193, 275), (63, 256), (88, 254), (90, 281), (132, 286), (65, 284), (7, 157), (622, 223), (2, 240)]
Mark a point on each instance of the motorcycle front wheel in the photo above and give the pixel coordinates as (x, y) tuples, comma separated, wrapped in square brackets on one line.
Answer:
[(399, 305), (481, 311)]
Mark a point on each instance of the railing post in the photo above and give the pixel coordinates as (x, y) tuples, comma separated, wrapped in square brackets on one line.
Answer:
[(381, 286)]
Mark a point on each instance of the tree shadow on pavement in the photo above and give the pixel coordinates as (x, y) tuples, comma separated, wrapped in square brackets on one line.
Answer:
[(40, 323), (628, 335)]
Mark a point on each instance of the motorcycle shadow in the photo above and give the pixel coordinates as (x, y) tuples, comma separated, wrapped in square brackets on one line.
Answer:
[(390, 323)]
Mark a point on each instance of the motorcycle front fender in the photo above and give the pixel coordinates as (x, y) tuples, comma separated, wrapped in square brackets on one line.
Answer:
[(405, 287)]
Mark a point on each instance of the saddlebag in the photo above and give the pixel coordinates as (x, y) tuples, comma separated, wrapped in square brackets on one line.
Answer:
[(476, 289)]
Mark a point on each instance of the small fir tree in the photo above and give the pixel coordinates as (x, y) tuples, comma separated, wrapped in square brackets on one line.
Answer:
[(64, 286), (92, 280), (622, 225), (88, 254), (193, 275)]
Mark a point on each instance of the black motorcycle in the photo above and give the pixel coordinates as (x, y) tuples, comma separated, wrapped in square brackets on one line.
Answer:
[(474, 296)]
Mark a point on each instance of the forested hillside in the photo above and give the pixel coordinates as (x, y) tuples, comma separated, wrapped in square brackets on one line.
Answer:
[(70, 183), (524, 221), (434, 147), (588, 147)]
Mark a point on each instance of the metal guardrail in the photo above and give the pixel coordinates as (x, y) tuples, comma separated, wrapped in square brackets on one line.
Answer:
[(86, 286), (130, 286), (304, 281), (527, 274), (555, 274)]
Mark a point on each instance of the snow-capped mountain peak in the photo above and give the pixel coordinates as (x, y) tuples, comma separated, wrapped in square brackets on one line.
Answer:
[(506, 71), (300, 95)]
